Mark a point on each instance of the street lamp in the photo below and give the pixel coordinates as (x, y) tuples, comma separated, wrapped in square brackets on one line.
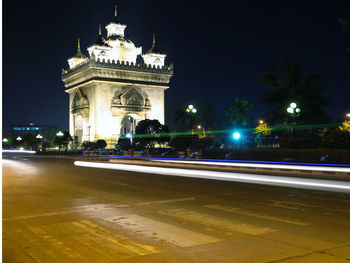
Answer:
[(19, 138), (59, 134), (261, 122), (39, 136), (190, 109), (348, 115), (5, 140), (294, 112)]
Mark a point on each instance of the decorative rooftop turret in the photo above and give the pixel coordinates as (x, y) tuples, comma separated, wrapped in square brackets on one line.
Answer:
[(78, 58), (154, 57)]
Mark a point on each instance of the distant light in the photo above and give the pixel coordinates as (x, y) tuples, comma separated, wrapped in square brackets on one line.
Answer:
[(128, 135), (199, 127), (293, 105), (236, 135), (5, 140), (190, 107), (60, 133), (290, 110), (348, 115), (39, 136), (261, 121), (21, 150), (194, 110), (19, 138)]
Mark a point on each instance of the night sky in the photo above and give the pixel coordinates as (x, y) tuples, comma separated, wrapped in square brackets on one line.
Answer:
[(216, 49)]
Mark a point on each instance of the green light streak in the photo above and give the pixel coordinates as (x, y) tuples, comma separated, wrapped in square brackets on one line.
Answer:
[(276, 128)]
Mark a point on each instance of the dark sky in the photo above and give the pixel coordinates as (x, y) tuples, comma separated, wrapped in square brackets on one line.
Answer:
[(217, 48)]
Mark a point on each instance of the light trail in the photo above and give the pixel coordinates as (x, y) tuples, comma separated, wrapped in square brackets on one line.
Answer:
[(263, 165), (315, 184), (17, 151)]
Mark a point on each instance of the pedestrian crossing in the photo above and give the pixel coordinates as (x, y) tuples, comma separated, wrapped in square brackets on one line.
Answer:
[(137, 233)]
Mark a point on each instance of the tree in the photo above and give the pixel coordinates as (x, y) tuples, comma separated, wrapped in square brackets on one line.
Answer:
[(152, 132), (262, 133), (238, 112), (29, 140), (184, 118), (101, 144), (284, 84), (62, 139), (208, 117)]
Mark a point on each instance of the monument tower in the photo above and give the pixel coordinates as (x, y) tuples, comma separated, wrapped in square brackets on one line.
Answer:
[(110, 91)]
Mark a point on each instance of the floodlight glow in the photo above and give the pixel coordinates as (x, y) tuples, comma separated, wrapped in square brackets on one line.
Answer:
[(5, 140), (306, 183), (19, 138), (128, 135), (236, 135), (190, 107), (194, 110), (293, 105), (290, 110)]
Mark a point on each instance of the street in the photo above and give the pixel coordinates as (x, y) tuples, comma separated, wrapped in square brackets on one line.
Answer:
[(54, 211)]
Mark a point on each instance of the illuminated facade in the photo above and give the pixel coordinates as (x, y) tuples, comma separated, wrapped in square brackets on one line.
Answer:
[(109, 91)]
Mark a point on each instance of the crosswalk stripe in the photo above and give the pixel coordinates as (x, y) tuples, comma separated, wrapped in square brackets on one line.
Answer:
[(101, 232), (240, 212), (160, 231), (216, 222)]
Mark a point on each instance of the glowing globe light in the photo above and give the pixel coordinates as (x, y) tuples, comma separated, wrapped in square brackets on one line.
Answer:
[(39, 136), (194, 110), (59, 133), (293, 105), (290, 110), (236, 135), (297, 110), (128, 135), (5, 140), (19, 138), (190, 107)]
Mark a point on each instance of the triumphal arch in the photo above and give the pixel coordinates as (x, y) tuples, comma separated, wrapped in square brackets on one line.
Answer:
[(110, 90)]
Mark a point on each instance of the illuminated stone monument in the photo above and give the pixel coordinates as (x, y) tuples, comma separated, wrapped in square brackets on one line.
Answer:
[(109, 91)]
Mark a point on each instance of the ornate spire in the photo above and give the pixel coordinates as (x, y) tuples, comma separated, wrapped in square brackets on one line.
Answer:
[(115, 10), (154, 39), (79, 54), (99, 31), (154, 49)]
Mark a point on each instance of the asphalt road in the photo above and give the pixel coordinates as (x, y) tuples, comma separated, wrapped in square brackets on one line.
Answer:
[(54, 211)]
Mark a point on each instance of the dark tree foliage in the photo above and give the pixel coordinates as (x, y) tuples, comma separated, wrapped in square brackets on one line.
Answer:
[(63, 140), (124, 144), (238, 112), (101, 144), (336, 139), (284, 84), (29, 140), (154, 133), (180, 143), (184, 119)]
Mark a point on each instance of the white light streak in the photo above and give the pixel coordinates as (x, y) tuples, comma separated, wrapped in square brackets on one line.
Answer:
[(327, 185), (17, 151), (264, 165)]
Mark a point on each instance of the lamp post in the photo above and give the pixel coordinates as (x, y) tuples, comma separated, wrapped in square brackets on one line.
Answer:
[(191, 110), (59, 134), (348, 115), (294, 112), (5, 140), (19, 139)]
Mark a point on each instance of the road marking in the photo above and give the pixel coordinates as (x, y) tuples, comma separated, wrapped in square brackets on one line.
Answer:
[(99, 231), (96, 207), (56, 243), (166, 201), (216, 222), (161, 231), (239, 211)]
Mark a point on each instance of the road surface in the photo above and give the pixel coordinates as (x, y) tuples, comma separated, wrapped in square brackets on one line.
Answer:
[(54, 211)]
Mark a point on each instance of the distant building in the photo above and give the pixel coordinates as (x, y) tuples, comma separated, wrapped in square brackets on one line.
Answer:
[(25, 128), (109, 92)]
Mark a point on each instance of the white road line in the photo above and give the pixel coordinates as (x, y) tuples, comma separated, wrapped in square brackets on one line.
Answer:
[(240, 212), (307, 183), (264, 165), (161, 231)]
